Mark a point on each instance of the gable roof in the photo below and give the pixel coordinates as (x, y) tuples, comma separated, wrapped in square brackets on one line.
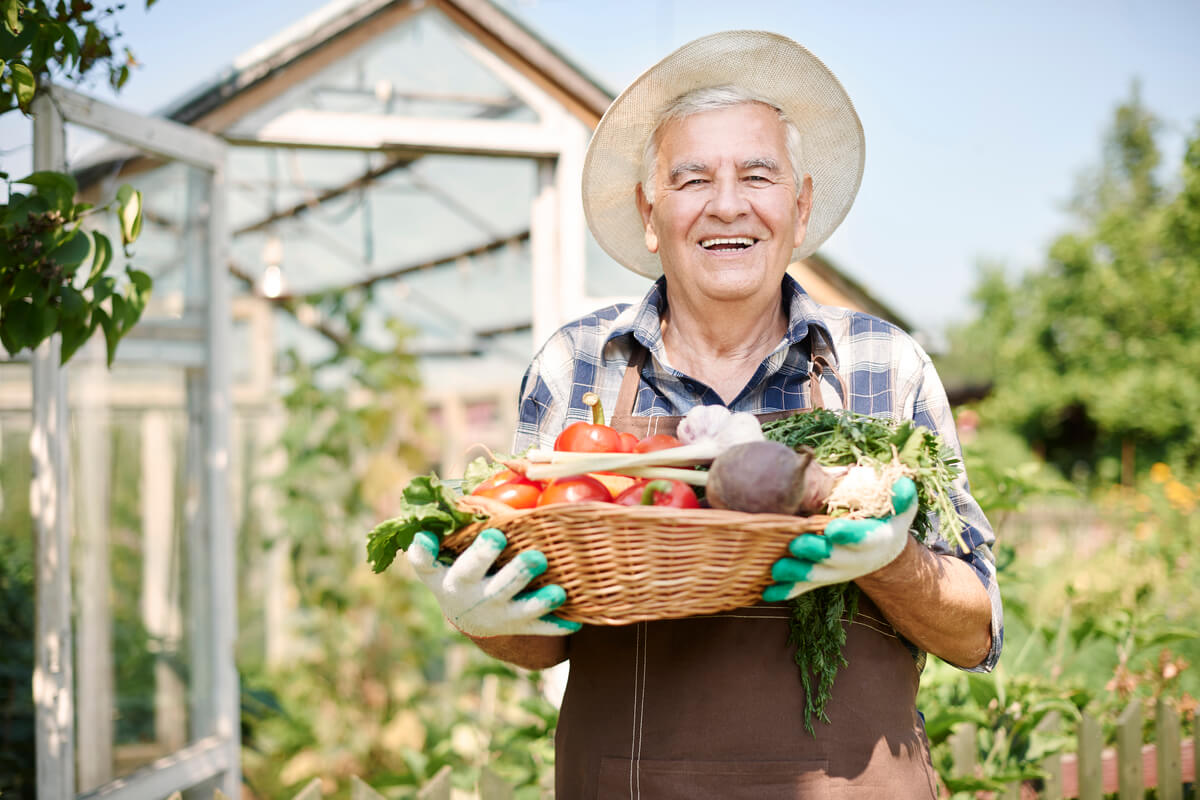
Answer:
[(341, 26)]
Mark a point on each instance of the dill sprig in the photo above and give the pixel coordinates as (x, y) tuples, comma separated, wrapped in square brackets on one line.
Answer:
[(818, 618)]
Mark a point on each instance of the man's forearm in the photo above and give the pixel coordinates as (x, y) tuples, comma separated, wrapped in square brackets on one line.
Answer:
[(530, 652), (935, 601)]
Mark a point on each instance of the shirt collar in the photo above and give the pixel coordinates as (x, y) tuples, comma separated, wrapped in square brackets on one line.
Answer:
[(642, 321)]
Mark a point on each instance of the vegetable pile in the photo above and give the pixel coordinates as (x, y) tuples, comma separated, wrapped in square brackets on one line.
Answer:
[(820, 461)]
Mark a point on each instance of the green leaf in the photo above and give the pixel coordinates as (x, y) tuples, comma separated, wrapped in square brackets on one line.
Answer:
[(73, 251), (6, 341), (129, 212), (26, 284), (429, 506), (112, 334), (71, 302), (47, 321), (103, 288), (101, 257), (56, 187), (120, 312), (22, 324), (70, 44), (479, 470), (24, 84), (11, 9)]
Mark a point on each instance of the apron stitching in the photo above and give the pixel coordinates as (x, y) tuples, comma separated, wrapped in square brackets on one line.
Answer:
[(637, 660), (738, 616), (642, 703), (880, 631)]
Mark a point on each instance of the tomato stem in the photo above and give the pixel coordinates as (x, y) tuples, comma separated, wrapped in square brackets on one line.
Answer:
[(653, 488)]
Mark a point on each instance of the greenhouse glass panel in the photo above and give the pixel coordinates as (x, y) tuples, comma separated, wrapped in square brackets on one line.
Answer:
[(423, 67)]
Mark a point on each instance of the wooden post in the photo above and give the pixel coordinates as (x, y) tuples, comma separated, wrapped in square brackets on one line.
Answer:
[(1053, 781), (493, 787), (94, 679), (1129, 752), (162, 611), (544, 253), (310, 792), (1089, 765), (53, 669), (963, 749), (438, 788), (359, 790), (1170, 762)]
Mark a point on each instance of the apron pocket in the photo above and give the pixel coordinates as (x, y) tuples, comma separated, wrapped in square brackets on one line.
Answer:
[(719, 780)]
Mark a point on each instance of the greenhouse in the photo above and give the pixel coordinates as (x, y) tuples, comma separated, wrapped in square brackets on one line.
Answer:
[(378, 208)]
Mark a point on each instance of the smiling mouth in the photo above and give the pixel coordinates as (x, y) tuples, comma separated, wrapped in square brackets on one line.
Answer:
[(727, 244)]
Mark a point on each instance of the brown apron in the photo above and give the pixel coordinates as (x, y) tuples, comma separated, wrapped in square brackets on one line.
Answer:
[(713, 706)]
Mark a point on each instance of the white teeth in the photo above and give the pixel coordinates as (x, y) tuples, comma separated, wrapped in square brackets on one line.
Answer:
[(728, 240)]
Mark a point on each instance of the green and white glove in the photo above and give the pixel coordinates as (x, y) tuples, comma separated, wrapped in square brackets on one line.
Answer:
[(848, 549), (481, 605)]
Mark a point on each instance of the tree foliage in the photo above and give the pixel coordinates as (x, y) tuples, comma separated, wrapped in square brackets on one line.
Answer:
[(43, 244), (1099, 351)]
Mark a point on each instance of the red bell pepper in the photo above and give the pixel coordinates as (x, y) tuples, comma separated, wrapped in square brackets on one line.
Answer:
[(658, 492)]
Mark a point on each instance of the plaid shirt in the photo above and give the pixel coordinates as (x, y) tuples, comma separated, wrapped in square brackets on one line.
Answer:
[(884, 372)]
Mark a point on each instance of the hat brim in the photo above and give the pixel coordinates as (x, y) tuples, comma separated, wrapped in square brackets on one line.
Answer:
[(765, 64)]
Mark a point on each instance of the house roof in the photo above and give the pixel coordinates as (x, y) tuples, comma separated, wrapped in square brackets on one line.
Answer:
[(831, 286)]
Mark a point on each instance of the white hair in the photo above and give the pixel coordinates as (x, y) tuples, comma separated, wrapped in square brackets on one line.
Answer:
[(715, 98)]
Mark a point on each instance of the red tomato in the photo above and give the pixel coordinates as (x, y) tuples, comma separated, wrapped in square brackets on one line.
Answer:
[(588, 437), (659, 441), (574, 489), (628, 442), (516, 495), (499, 479), (675, 494)]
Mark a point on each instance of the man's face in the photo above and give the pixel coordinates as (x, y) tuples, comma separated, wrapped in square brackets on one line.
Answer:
[(726, 214)]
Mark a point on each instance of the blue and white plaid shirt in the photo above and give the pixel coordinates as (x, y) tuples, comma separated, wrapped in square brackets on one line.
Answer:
[(884, 371)]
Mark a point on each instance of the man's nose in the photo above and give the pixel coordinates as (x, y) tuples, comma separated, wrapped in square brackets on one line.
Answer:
[(728, 201)]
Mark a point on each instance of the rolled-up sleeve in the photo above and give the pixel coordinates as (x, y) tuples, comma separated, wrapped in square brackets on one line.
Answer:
[(932, 410)]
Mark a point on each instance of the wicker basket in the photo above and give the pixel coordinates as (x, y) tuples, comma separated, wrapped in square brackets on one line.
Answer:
[(621, 564)]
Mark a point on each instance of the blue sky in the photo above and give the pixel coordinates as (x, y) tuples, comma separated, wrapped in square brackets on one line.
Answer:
[(979, 118)]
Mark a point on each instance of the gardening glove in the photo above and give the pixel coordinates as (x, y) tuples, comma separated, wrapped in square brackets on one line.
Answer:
[(481, 605), (848, 549)]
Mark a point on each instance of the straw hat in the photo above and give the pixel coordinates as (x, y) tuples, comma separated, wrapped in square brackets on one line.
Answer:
[(765, 64)]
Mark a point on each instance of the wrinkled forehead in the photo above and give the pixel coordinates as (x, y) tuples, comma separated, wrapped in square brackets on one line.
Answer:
[(750, 130)]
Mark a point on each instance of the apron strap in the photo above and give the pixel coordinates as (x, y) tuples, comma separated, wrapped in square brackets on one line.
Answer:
[(630, 382)]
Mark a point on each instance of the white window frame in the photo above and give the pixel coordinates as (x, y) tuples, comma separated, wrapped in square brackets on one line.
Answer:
[(215, 751)]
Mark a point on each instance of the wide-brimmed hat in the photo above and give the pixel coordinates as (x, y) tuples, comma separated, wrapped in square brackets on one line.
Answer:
[(766, 65)]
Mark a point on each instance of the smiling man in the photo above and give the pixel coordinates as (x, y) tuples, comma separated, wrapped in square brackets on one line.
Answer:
[(727, 160)]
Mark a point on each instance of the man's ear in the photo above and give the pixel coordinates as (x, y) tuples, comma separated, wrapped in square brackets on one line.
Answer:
[(644, 208), (804, 205)]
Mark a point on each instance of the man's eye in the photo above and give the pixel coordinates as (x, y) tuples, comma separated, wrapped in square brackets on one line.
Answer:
[(758, 179), (694, 182)]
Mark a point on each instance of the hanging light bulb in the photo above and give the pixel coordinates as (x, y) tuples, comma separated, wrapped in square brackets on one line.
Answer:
[(271, 283)]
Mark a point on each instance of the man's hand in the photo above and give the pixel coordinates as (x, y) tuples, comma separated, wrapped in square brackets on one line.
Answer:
[(483, 605), (848, 549)]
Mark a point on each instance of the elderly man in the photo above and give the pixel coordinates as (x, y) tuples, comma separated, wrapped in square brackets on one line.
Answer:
[(717, 167)]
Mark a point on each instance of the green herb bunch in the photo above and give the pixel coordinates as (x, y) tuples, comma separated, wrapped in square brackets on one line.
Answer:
[(816, 627)]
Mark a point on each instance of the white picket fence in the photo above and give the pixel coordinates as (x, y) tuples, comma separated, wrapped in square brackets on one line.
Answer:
[(490, 787)]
